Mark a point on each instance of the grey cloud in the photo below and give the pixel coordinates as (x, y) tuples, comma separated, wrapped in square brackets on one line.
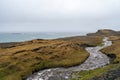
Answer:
[(59, 15)]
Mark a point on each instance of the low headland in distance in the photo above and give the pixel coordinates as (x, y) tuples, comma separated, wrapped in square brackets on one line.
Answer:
[(18, 60)]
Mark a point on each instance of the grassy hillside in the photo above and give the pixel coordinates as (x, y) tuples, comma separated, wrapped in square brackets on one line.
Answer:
[(109, 72), (19, 60), (105, 32)]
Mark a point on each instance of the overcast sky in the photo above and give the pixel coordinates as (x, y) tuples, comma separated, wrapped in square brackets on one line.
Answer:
[(59, 15)]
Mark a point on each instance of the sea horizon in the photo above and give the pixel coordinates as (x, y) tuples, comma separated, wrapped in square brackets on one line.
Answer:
[(6, 37)]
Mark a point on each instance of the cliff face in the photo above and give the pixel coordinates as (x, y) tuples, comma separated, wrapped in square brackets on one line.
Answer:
[(105, 32)]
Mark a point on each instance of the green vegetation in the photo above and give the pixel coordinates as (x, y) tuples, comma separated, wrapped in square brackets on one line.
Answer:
[(20, 60), (88, 75)]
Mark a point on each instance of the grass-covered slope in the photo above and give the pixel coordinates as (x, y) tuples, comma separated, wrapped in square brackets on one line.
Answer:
[(105, 32), (108, 72), (112, 71), (19, 60)]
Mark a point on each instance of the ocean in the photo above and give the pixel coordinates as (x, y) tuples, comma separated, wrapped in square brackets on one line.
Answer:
[(18, 37)]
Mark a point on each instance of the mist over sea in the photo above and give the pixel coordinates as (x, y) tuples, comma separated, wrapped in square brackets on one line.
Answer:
[(18, 37)]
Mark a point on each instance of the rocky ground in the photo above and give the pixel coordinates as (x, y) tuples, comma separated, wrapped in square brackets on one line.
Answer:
[(109, 75), (95, 60)]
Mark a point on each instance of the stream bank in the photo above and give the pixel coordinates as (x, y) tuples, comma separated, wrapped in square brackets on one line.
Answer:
[(96, 60)]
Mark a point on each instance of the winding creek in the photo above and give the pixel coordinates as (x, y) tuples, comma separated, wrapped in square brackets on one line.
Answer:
[(95, 60)]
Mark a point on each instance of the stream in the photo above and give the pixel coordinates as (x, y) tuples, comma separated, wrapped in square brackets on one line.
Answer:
[(96, 60)]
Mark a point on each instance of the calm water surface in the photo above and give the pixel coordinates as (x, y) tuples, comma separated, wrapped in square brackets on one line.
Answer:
[(17, 37)]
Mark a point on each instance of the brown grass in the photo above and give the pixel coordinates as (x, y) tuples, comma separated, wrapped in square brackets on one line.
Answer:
[(19, 61)]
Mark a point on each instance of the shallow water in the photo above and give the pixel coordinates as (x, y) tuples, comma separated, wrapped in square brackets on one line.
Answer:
[(95, 60)]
